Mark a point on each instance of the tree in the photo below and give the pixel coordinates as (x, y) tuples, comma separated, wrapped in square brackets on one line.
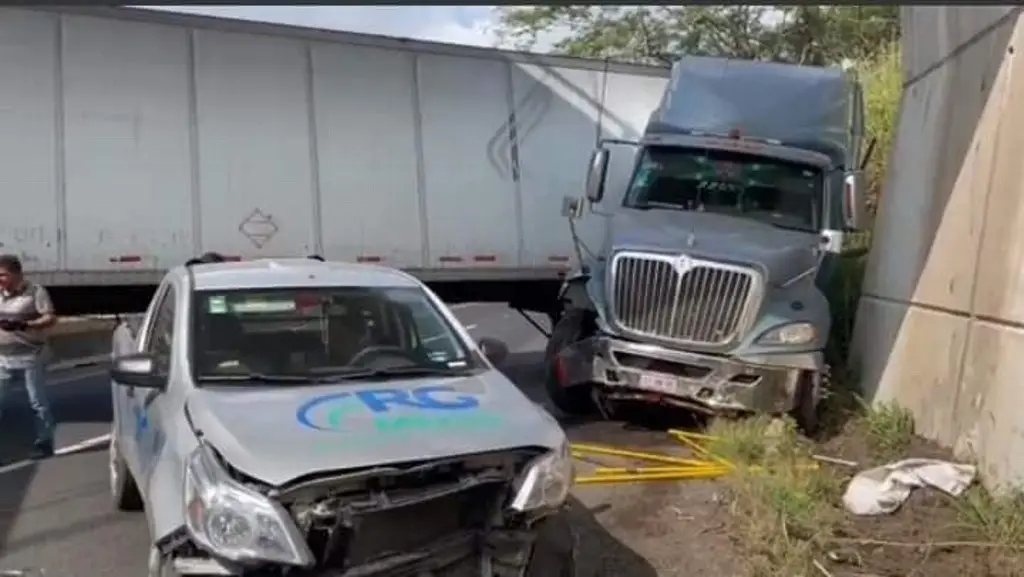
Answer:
[(660, 34)]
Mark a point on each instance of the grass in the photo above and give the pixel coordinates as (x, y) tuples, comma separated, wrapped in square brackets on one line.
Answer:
[(782, 511), (788, 516)]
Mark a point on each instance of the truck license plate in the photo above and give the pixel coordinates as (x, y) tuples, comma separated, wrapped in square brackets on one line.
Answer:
[(659, 383)]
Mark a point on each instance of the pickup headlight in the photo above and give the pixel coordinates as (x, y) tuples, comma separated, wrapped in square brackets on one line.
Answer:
[(232, 521), (791, 334), (546, 482)]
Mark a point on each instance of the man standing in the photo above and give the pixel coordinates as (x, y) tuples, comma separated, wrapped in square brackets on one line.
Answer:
[(25, 312)]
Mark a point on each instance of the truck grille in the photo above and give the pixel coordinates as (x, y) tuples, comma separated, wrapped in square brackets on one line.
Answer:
[(701, 302)]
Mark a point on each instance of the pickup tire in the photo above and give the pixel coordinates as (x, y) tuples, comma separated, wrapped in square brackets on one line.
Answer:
[(123, 490), (573, 401)]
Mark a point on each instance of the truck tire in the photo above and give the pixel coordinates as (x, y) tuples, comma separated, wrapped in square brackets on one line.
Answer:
[(554, 550), (573, 401), (806, 411), (123, 490)]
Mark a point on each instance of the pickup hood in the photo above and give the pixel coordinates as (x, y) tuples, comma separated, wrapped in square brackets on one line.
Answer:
[(782, 253), (277, 434)]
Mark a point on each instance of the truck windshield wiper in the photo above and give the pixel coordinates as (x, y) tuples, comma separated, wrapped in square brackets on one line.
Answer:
[(256, 378), (410, 371)]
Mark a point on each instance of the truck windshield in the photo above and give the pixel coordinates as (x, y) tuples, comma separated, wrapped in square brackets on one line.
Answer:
[(297, 334), (779, 192)]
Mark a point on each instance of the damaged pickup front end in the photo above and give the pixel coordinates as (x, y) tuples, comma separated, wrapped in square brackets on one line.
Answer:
[(496, 514)]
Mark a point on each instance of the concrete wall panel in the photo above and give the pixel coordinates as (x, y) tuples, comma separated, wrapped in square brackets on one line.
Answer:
[(939, 328)]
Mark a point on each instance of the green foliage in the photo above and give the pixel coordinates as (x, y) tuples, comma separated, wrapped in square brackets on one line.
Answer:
[(816, 35), (883, 88)]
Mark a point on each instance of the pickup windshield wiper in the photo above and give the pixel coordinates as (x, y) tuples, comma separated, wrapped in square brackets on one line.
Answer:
[(410, 371), (256, 378)]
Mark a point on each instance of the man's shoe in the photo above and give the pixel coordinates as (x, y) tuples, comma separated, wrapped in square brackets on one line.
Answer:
[(42, 450)]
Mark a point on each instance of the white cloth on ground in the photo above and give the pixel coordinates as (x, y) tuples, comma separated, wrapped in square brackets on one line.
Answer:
[(884, 489)]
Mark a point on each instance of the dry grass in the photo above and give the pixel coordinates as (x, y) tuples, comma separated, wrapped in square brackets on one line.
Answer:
[(782, 509), (789, 521)]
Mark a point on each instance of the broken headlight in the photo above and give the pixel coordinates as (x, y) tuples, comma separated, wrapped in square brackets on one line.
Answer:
[(234, 522), (545, 482)]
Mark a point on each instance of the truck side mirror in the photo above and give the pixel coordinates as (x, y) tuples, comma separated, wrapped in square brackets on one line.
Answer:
[(596, 174), (854, 201)]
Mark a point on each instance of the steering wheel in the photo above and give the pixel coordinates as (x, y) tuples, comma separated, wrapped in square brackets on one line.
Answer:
[(381, 351)]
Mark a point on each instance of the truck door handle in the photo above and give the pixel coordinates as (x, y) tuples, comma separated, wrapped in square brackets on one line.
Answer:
[(129, 392)]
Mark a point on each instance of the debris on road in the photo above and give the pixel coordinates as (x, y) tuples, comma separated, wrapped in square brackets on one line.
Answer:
[(706, 465), (882, 490)]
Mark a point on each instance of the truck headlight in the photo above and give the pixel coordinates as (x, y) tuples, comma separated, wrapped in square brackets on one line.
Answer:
[(791, 334), (546, 482), (234, 522)]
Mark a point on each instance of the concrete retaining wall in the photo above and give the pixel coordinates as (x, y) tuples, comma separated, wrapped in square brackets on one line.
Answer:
[(940, 328)]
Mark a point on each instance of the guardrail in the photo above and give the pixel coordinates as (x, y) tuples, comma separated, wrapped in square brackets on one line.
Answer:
[(80, 341)]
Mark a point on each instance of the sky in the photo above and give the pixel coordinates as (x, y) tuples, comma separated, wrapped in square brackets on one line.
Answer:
[(472, 25)]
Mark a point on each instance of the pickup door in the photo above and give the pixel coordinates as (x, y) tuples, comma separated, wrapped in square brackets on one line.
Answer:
[(136, 424)]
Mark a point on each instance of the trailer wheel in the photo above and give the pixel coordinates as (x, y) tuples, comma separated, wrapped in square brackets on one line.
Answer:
[(576, 400), (806, 412)]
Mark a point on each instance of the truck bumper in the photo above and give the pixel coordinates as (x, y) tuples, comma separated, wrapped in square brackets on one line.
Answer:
[(626, 370)]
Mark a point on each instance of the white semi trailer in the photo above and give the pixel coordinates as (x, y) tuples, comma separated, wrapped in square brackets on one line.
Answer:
[(132, 140)]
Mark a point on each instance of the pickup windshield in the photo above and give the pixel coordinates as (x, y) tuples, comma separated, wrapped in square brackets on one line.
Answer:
[(301, 335), (779, 192)]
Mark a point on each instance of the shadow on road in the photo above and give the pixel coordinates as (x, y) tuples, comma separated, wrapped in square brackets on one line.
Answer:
[(87, 401), (598, 553)]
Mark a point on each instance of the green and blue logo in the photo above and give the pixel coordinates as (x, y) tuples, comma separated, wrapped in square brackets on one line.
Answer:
[(396, 412)]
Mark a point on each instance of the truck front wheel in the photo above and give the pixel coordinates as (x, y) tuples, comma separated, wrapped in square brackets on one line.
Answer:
[(807, 409), (572, 327)]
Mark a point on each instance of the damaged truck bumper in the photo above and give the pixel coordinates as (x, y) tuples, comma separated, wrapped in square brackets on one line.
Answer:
[(626, 370)]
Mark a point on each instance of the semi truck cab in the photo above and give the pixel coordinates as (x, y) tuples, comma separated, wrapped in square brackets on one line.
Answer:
[(706, 292)]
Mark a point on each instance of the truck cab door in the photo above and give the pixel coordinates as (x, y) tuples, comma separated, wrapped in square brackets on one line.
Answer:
[(142, 426)]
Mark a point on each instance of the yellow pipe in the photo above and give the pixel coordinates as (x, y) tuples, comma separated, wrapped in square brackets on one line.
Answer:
[(674, 476), (691, 435), (653, 457), (697, 448), (655, 470)]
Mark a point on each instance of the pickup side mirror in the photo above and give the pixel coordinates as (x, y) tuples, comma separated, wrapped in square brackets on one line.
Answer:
[(137, 370), (596, 174), (854, 200), (496, 351)]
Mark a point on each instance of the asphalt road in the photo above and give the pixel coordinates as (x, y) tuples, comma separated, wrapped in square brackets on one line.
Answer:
[(56, 515)]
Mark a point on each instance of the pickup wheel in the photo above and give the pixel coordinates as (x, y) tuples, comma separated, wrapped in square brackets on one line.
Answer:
[(123, 490), (576, 400)]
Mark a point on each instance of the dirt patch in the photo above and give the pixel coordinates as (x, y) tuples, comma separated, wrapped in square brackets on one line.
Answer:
[(649, 529), (790, 520)]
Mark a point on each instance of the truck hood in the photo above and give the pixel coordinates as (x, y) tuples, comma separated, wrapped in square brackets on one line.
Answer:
[(781, 253), (278, 434)]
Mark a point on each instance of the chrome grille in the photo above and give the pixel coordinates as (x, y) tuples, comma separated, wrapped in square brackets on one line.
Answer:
[(683, 300)]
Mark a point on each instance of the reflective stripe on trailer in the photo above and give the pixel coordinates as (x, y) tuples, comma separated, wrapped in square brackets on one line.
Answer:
[(126, 258)]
